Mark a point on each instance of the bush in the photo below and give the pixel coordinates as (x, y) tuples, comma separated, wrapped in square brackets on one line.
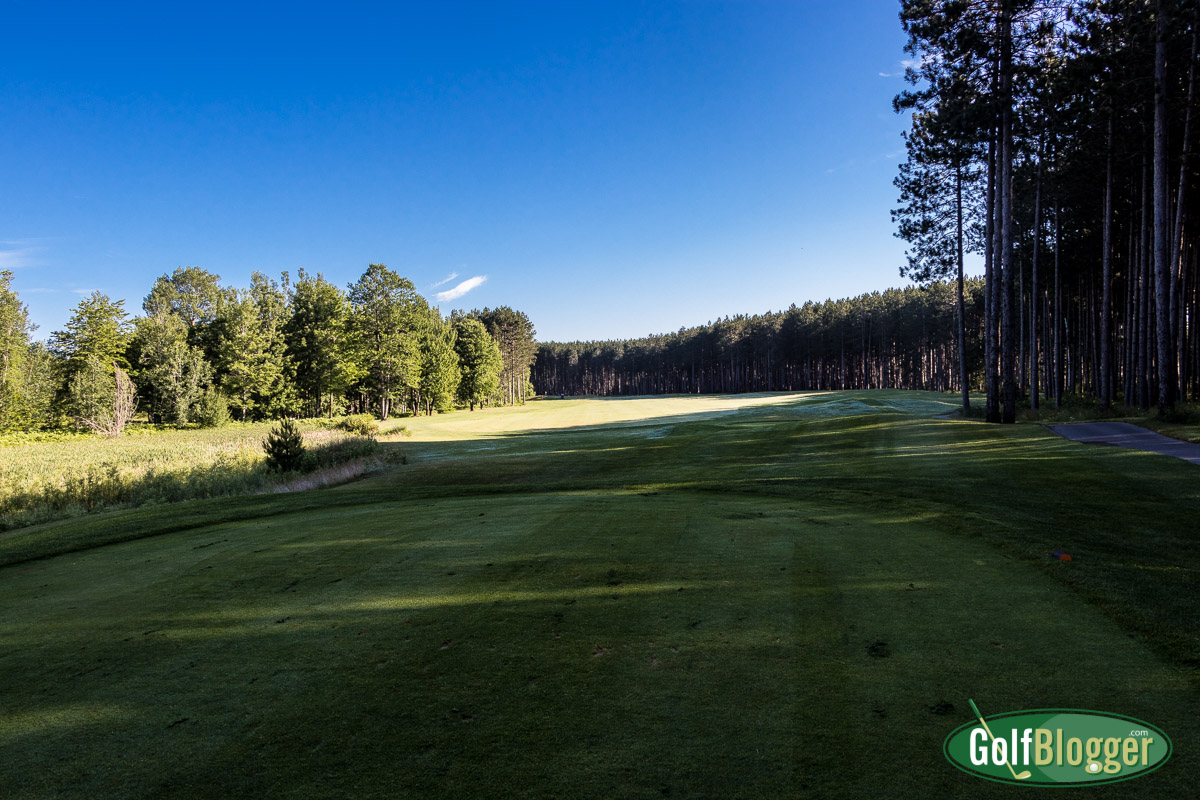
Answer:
[(212, 411), (1183, 414), (284, 447), (361, 424), (335, 450)]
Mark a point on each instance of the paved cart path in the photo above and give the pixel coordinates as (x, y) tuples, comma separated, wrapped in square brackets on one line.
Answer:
[(1123, 434)]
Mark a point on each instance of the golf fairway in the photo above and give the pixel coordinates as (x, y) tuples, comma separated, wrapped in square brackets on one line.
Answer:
[(768, 596)]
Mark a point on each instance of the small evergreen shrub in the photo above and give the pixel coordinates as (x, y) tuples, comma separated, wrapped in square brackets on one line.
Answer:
[(284, 447)]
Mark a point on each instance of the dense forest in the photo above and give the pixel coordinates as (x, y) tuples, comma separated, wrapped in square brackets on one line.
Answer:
[(901, 338), (1054, 139), (203, 353)]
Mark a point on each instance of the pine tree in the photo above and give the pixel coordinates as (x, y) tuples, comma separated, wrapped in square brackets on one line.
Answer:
[(439, 373), (173, 374), (15, 332), (319, 342), (249, 353), (284, 447), (89, 348), (515, 335), (275, 395)]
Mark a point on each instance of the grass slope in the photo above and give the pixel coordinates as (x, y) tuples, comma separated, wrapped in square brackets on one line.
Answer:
[(685, 597)]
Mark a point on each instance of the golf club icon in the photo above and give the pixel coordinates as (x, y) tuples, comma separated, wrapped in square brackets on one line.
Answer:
[(1020, 776)]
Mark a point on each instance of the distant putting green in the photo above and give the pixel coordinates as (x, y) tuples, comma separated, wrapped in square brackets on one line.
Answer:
[(750, 596)]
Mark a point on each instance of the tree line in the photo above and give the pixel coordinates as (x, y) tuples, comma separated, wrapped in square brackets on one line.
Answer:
[(304, 347), (900, 338), (1054, 137)]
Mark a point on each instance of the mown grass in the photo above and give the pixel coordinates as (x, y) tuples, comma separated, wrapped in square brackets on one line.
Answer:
[(784, 601), (44, 478)]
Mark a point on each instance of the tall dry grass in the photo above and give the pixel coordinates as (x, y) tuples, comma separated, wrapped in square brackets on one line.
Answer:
[(49, 477)]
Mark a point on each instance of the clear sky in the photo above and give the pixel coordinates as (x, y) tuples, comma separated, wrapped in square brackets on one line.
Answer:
[(611, 168)]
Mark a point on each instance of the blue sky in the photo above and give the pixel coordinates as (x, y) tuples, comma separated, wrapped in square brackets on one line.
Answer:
[(612, 169)]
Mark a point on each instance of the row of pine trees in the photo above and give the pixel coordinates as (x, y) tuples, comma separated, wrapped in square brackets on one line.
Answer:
[(203, 353), (1056, 139), (900, 338)]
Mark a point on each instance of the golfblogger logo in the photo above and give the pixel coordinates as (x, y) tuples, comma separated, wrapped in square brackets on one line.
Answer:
[(1056, 747)]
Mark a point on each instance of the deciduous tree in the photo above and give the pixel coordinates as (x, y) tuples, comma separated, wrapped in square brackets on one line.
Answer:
[(387, 314), (479, 361)]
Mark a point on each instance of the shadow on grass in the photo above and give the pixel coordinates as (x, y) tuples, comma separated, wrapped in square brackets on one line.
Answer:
[(717, 647), (1121, 515)]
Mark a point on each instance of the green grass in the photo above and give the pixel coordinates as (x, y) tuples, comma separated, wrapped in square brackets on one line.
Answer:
[(46, 476), (611, 598)]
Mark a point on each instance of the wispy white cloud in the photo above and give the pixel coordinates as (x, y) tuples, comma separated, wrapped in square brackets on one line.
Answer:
[(84, 291), (16, 254), (40, 290), (906, 64), (445, 280), (461, 289)]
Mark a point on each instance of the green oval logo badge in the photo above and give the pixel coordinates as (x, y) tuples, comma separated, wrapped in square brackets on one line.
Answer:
[(1057, 747)]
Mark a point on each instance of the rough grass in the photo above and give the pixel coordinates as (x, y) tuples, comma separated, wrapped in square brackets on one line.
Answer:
[(50, 477), (789, 600)]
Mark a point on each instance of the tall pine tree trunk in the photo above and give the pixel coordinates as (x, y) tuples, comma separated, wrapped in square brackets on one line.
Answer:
[(1059, 333), (1008, 309), (990, 286), (1035, 385), (1127, 345), (1178, 316), (1143, 314), (962, 325), (1105, 382), (1022, 352), (1162, 271)]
